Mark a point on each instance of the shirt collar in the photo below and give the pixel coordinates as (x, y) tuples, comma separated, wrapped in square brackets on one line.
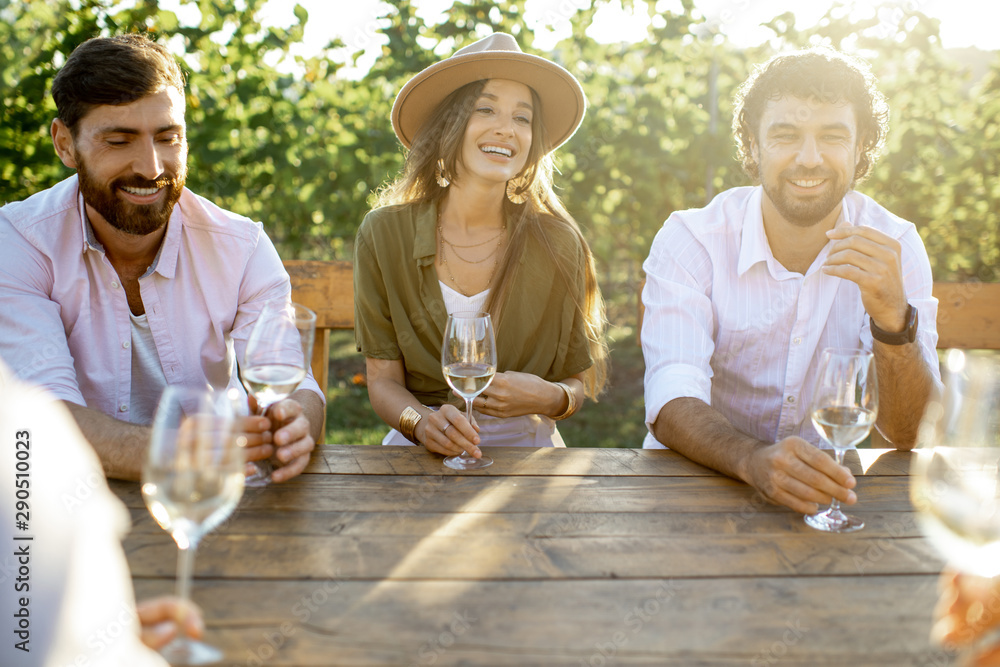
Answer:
[(425, 237), (753, 245), (165, 262)]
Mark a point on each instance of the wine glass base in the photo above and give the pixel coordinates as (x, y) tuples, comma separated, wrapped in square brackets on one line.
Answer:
[(467, 462), (834, 521), (261, 478), (184, 651)]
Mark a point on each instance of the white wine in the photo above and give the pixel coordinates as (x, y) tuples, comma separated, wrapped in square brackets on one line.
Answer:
[(270, 383), (957, 497), (468, 380), (843, 427), (191, 503)]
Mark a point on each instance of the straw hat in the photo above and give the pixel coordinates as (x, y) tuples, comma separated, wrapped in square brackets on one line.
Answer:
[(495, 57)]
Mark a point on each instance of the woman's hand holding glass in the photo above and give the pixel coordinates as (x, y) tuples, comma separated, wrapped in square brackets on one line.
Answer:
[(468, 362)]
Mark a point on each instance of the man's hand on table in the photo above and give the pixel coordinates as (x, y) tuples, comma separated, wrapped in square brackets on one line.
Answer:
[(796, 474), (283, 435)]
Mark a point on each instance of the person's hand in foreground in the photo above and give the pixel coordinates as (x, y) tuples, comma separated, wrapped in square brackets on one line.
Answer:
[(968, 609), (162, 617)]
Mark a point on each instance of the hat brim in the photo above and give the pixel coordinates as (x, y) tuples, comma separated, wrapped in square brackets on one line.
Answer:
[(562, 99)]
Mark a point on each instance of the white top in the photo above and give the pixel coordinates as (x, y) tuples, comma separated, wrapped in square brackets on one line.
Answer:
[(148, 381), (727, 324), (456, 302)]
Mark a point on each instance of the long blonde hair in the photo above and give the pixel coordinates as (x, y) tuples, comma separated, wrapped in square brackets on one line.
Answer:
[(540, 216)]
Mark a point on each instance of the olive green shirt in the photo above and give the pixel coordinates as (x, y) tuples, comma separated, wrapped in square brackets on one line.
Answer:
[(399, 312)]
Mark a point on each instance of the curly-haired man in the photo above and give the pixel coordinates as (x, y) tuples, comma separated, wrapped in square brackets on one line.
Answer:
[(743, 295)]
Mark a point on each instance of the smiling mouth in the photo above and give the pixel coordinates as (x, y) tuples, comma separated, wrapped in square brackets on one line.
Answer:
[(497, 150), (140, 192), (811, 183)]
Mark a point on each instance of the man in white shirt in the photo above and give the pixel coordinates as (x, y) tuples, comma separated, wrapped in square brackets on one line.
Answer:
[(119, 280), (743, 295)]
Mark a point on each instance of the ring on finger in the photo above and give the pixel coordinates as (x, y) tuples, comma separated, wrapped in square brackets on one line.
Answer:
[(446, 428)]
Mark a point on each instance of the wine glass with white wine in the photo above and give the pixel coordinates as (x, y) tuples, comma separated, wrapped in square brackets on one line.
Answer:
[(469, 362), (844, 409), (955, 482), (278, 353), (191, 481)]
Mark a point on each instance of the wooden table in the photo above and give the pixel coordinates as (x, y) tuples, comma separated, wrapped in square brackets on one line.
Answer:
[(382, 556)]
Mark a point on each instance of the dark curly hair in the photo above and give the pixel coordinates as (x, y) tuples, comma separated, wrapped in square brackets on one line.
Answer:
[(816, 74)]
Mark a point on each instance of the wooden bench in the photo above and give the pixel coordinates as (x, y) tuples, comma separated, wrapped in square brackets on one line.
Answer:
[(968, 315), (326, 287)]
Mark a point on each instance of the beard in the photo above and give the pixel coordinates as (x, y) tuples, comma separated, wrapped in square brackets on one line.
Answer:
[(126, 217), (805, 212)]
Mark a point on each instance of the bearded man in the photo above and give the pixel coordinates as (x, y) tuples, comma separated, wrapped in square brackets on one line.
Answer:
[(743, 295), (119, 281)]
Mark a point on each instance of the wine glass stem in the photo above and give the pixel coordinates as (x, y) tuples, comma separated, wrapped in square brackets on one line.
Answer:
[(468, 414), (185, 564), (838, 455)]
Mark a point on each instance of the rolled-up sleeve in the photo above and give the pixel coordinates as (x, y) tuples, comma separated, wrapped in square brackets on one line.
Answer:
[(32, 336), (678, 324)]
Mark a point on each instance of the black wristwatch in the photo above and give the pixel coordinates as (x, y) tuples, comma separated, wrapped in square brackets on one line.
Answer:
[(907, 335)]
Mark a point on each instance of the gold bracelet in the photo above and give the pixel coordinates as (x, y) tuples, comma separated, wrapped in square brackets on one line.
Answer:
[(408, 420), (570, 401)]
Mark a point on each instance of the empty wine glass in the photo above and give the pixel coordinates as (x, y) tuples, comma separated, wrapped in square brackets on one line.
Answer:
[(955, 484), (469, 362), (844, 408), (278, 353), (191, 481)]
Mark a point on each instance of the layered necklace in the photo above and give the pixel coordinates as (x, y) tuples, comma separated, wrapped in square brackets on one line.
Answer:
[(499, 238)]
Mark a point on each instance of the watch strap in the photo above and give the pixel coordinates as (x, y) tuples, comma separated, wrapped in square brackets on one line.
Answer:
[(907, 335)]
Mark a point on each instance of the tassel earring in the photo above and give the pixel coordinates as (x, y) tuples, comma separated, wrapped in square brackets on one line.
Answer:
[(439, 175), (517, 189)]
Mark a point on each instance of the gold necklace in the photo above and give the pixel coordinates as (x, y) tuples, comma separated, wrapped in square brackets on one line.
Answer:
[(455, 252), (451, 277), (474, 245)]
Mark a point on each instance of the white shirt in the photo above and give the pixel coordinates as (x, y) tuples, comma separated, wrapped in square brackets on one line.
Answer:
[(727, 324)]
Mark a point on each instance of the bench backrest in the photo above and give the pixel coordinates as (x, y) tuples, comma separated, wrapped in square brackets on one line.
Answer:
[(326, 287), (968, 315)]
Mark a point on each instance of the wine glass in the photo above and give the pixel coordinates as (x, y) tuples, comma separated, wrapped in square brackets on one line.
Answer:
[(469, 362), (192, 480), (278, 353), (955, 484), (844, 408)]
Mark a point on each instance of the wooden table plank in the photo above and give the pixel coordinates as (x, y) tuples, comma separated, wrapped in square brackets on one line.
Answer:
[(518, 461), (720, 621), (525, 494), (381, 556)]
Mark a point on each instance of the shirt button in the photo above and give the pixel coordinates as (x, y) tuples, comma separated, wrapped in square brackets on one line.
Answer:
[(791, 399), (123, 408), (126, 345), (797, 340), (114, 284)]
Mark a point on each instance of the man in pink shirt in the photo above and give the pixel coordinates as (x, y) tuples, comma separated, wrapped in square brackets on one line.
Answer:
[(743, 295), (119, 281)]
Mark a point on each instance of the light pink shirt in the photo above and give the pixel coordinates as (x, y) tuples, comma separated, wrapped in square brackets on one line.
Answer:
[(727, 324), (64, 317)]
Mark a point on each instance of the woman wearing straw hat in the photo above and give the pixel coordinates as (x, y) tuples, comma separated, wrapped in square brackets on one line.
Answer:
[(472, 223)]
